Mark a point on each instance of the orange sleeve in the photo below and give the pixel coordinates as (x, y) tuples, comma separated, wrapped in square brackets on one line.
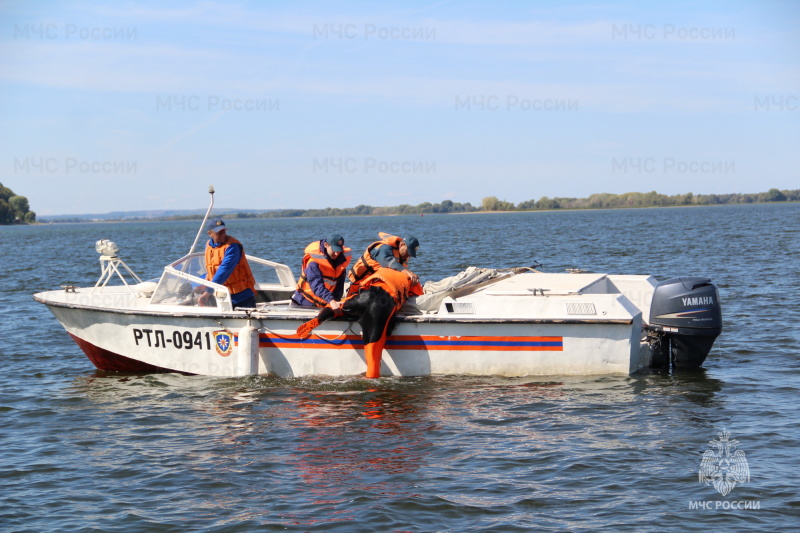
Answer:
[(415, 290)]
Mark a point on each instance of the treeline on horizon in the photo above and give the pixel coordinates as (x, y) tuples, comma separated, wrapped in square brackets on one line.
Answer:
[(14, 209), (492, 203)]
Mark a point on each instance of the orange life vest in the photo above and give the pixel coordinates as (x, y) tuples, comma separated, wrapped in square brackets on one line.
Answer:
[(241, 278), (366, 265), (314, 252), (397, 284)]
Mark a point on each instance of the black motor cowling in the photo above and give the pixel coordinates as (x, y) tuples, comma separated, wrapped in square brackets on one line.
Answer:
[(685, 320)]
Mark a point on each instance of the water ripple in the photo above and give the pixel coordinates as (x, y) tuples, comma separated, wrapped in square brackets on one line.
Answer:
[(85, 451)]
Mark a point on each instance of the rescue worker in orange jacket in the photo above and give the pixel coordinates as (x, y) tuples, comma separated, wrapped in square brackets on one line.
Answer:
[(378, 299), (323, 273), (227, 265), (390, 252)]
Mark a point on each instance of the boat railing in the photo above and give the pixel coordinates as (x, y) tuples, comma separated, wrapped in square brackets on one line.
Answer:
[(111, 264), (271, 270), (114, 265)]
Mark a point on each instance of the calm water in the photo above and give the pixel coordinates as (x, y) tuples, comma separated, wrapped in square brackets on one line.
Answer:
[(84, 451)]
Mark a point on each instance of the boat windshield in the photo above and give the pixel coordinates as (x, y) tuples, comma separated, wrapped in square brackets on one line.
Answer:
[(194, 265), (183, 284)]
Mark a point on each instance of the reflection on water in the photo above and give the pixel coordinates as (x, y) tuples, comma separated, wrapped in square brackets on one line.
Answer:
[(696, 386), (361, 441), (320, 443)]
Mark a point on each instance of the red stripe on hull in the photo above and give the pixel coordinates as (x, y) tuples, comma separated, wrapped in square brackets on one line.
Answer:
[(114, 362)]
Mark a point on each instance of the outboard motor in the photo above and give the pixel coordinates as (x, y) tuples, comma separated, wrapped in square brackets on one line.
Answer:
[(685, 319)]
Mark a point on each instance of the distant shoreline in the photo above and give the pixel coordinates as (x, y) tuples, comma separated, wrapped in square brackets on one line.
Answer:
[(574, 209), (613, 208), (236, 215)]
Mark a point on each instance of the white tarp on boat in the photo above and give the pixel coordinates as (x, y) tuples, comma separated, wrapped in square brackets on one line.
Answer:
[(436, 291)]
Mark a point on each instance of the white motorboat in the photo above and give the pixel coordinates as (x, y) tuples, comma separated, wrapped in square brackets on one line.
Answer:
[(519, 322)]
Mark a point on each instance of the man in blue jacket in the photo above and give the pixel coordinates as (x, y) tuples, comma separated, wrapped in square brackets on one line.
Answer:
[(227, 265), (324, 269)]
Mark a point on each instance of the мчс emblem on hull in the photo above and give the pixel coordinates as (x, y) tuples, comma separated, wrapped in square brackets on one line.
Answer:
[(723, 467), (223, 342)]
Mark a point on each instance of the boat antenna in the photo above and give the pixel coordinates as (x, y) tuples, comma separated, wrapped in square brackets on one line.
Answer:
[(205, 218)]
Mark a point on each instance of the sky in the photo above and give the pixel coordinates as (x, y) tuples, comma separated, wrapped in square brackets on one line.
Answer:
[(120, 106)]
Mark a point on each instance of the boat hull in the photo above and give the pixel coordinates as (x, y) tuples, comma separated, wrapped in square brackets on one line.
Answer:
[(114, 362), (131, 341)]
